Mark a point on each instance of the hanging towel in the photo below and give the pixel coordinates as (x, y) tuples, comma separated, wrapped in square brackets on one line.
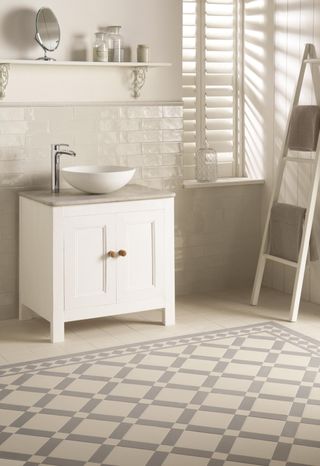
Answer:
[(286, 228), (304, 128)]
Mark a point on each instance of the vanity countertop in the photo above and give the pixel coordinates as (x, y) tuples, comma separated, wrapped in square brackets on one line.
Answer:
[(69, 197)]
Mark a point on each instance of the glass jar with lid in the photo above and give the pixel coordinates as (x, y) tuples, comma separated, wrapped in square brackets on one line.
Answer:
[(114, 43), (206, 164), (100, 47)]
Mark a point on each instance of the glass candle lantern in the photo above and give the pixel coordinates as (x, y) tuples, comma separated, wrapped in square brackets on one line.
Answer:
[(206, 165), (100, 47)]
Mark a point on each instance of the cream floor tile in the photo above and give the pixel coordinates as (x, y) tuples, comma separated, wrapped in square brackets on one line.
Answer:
[(29, 340)]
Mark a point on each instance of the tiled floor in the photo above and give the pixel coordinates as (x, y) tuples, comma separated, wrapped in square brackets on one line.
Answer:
[(28, 340)]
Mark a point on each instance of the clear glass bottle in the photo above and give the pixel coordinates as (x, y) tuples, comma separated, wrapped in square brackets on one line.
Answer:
[(114, 43), (206, 165), (100, 47)]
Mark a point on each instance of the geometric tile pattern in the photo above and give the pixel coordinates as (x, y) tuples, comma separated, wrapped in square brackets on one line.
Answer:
[(246, 395)]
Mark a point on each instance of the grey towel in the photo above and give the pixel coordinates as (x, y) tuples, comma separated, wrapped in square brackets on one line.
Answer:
[(304, 128), (286, 227)]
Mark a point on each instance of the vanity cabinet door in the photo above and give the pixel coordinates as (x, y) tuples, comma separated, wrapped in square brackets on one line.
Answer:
[(90, 274), (140, 272)]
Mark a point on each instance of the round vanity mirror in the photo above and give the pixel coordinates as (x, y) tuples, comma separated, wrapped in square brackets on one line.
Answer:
[(47, 31)]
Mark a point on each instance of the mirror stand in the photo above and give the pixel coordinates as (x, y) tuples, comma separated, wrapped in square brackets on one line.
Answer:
[(47, 32), (45, 57)]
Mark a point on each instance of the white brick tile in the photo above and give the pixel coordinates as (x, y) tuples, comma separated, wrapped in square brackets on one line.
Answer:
[(172, 135), (141, 112), (109, 112), (129, 149), (109, 137), (173, 111), (49, 113), (46, 139), (170, 159), (13, 166), (123, 137), (12, 153), (12, 140), (96, 112), (130, 125), (172, 184), (152, 183), (107, 125), (151, 124), (13, 127), (171, 148), (15, 179), (135, 160), (87, 113), (151, 148), (144, 136), (171, 123), (108, 149), (39, 127), (160, 172), (11, 113), (137, 176), (152, 160)]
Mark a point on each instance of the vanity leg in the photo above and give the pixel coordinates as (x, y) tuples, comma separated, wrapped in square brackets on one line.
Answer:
[(24, 312), (57, 331), (168, 315)]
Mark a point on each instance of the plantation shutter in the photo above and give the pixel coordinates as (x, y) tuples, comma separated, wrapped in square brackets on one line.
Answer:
[(210, 74)]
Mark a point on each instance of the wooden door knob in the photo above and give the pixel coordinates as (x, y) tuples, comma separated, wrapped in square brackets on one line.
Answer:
[(112, 254), (122, 253)]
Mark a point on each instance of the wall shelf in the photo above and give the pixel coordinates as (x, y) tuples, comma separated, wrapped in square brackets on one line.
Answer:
[(138, 70)]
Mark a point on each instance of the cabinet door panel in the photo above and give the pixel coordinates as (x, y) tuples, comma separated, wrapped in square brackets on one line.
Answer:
[(89, 274), (141, 271)]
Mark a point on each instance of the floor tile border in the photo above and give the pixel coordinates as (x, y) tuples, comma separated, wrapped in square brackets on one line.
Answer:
[(304, 342)]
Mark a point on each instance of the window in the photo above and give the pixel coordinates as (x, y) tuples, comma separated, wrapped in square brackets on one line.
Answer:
[(211, 83)]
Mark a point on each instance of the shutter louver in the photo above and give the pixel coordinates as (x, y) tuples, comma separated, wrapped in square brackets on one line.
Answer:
[(210, 81)]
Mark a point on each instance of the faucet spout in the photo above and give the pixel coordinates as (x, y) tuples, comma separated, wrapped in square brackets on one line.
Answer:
[(56, 151)]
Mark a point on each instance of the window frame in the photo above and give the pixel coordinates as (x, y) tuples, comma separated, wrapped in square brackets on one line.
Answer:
[(238, 165)]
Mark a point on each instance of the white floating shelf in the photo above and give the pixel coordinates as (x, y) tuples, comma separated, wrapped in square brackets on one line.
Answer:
[(138, 70), (130, 64)]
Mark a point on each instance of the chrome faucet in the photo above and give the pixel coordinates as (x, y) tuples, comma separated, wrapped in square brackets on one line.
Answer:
[(56, 151)]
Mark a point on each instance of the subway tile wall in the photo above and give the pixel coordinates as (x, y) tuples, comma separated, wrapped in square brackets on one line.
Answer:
[(217, 230)]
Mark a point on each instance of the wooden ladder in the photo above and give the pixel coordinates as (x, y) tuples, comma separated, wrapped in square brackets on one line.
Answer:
[(309, 58)]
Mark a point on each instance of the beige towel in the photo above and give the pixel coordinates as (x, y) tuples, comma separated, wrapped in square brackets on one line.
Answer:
[(286, 228), (304, 128)]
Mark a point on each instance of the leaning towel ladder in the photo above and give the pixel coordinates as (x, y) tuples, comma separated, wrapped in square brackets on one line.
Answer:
[(309, 58)]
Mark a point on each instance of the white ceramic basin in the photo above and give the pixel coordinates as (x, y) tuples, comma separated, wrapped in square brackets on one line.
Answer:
[(96, 179)]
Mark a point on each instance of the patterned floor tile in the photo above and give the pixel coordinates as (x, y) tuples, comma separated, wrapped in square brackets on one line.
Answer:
[(247, 395)]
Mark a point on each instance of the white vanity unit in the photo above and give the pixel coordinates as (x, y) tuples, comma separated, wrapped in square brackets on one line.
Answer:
[(84, 256)]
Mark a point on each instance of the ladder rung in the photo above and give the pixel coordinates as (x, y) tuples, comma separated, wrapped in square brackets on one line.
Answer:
[(282, 261), (299, 160), (312, 61)]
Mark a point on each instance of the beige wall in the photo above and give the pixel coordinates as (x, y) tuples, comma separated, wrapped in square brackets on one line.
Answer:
[(295, 25), (154, 22)]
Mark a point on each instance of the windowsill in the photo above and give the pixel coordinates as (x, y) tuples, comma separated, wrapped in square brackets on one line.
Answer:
[(222, 182)]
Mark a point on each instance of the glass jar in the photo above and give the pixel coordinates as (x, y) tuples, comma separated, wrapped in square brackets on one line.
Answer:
[(143, 53), (114, 43), (100, 47), (206, 165)]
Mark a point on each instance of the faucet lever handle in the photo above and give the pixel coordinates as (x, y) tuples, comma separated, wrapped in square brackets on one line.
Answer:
[(61, 146)]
